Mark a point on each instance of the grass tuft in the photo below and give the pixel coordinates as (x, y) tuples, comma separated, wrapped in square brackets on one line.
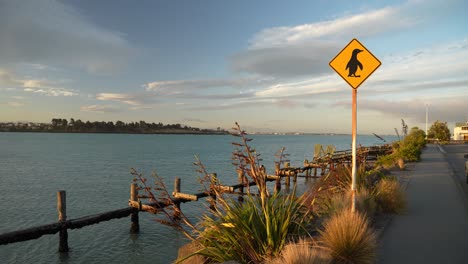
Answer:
[(301, 252), (390, 197), (338, 202), (349, 238)]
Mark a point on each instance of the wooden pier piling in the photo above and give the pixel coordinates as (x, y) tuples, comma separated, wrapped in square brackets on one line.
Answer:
[(177, 203), (214, 182), (240, 177), (135, 227), (307, 170), (288, 179), (62, 217)]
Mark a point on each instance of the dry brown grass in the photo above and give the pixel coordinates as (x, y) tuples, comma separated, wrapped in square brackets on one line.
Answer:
[(302, 252), (336, 203), (390, 197), (365, 202), (349, 238)]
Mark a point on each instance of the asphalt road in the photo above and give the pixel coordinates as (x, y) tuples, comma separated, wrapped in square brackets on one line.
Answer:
[(434, 229)]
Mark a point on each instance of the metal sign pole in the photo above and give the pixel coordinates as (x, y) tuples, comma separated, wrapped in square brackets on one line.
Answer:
[(354, 64), (353, 171)]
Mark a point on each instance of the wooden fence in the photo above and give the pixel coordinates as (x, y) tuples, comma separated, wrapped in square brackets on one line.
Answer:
[(324, 162), (63, 224)]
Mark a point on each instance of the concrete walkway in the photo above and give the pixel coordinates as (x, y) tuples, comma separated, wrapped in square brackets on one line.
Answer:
[(435, 227)]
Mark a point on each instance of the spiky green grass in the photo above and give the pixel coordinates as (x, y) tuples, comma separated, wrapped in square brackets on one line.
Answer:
[(252, 231)]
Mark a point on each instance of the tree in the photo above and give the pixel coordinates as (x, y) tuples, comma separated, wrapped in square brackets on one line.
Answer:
[(120, 125), (439, 130), (55, 122)]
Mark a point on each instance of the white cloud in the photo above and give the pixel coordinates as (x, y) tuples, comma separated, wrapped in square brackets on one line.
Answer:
[(190, 119), (305, 50), (99, 108), (134, 100), (449, 109), (321, 85), (364, 24), (45, 32), (184, 86), (43, 87), (427, 69), (290, 61)]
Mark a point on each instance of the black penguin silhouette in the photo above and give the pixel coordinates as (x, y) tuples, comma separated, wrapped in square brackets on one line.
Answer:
[(353, 64)]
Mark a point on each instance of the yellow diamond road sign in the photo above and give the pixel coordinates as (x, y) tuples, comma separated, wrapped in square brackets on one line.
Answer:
[(355, 63)]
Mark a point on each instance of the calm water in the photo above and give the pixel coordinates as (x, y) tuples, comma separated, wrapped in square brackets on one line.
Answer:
[(94, 170)]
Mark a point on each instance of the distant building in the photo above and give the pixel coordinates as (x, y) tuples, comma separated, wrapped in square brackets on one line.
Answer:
[(460, 132)]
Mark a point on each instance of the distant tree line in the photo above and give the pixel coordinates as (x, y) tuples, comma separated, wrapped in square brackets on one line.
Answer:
[(78, 126)]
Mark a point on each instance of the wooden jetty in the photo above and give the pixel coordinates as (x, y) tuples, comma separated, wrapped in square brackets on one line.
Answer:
[(324, 159)]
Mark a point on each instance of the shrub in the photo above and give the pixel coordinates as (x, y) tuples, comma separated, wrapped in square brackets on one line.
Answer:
[(365, 202), (390, 197), (411, 146), (323, 198), (386, 161), (301, 253), (408, 149), (251, 232), (349, 238), (338, 202)]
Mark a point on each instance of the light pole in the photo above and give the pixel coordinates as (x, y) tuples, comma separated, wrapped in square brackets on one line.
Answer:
[(427, 107)]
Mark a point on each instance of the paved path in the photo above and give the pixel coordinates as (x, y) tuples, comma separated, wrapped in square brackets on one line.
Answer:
[(435, 227)]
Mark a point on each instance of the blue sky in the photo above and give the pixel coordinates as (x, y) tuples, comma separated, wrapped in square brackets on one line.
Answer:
[(263, 64)]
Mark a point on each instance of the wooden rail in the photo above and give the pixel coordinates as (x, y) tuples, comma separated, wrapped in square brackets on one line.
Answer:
[(324, 162), (288, 172), (63, 224)]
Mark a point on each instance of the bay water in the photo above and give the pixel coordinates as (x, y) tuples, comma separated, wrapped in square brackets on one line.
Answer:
[(94, 170)]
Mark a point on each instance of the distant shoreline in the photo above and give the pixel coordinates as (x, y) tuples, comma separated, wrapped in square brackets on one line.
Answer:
[(216, 133)]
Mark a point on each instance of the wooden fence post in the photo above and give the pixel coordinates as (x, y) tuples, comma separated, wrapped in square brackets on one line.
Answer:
[(177, 203), (278, 185), (240, 177), (62, 217), (277, 168), (214, 182), (278, 180), (288, 179), (135, 227)]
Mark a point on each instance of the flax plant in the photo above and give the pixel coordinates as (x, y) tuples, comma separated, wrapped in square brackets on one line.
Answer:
[(251, 231), (258, 228)]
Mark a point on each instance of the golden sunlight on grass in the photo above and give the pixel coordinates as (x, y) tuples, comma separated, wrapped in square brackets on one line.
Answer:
[(349, 238)]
